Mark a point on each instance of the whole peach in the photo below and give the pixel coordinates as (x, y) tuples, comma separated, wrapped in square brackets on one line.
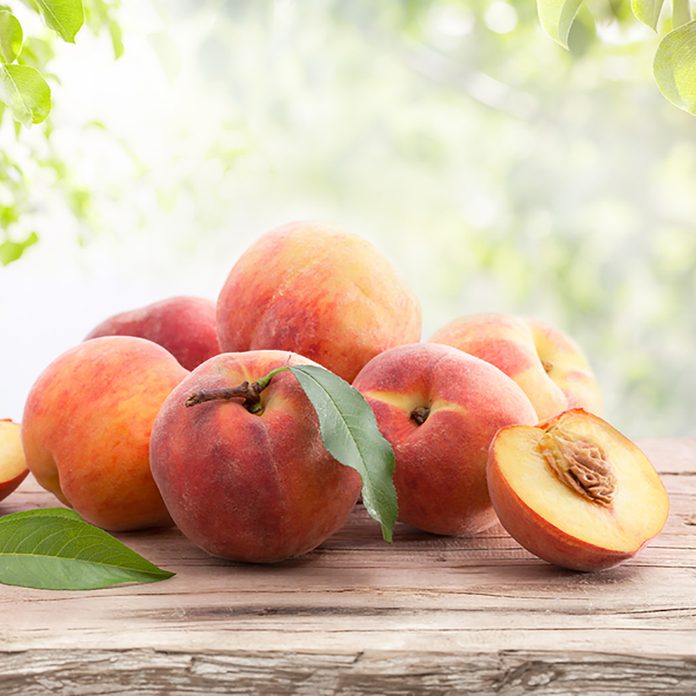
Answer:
[(86, 429), (249, 479), (440, 408), (185, 326), (320, 292), (549, 366)]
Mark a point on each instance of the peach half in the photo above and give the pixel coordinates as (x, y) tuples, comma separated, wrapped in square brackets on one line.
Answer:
[(13, 465), (575, 491)]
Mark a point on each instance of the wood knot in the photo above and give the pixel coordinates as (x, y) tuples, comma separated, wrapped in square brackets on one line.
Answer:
[(581, 465)]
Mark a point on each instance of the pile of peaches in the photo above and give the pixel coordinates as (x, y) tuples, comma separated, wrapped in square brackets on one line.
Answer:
[(495, 417)]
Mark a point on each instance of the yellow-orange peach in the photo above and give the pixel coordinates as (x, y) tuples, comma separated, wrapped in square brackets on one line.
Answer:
[(13, 465), (249, 478), (549, 366), (440, 408), (86, 429), (320, 292), (185, 326), (575, 492)]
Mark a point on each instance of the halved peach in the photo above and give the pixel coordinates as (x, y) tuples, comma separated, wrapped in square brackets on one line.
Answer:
[(574, 491), (13, 465)]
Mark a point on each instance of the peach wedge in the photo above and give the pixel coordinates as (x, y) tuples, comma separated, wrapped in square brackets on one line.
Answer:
[(13, 466), (575, 492)]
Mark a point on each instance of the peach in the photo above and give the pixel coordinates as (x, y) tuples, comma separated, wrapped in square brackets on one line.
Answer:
[(320, 292), (575, 492), (549, 366), (439, 409), (13, 465), (86, 429), (248, 478), (184, 325)]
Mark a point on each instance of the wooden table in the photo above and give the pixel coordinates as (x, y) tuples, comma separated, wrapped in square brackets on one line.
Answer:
[(428, 615)]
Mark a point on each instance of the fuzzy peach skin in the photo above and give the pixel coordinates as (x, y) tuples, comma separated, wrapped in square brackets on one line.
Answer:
[(556, 522), (245, 486), (13, 465), (320, 292), (86, 429), (549, 366), (184, 325), (440, 473)]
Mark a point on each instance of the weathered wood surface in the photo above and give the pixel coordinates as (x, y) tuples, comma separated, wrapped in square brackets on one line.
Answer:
[(427, 615)]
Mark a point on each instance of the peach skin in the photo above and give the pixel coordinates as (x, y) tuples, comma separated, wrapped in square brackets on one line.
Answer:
[(184, 325), (575, 492), (547, 364), (86, 429), (440, 408), (248, 478), (13, 465), (320, 292)]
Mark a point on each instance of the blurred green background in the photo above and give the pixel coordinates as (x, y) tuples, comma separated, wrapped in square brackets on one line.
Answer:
[(498, 172)]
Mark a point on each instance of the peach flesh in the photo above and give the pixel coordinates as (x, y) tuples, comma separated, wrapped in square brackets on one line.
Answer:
[(623, 506), (319, 292), (440, 408), (13, 465)]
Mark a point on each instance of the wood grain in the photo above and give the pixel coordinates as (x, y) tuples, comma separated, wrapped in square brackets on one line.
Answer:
[(427, 615)]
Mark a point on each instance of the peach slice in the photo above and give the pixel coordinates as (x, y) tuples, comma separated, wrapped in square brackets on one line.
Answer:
[(574, 491), (13, 465)]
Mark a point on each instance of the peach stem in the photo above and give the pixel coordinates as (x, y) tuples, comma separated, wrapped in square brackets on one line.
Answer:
[(249, 391)]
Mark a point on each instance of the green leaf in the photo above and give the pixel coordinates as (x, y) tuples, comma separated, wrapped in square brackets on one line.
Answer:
[(11, 37), (25, 91), (557, 16), (63, 16), (42, 513), (10, 251), (54, 549), (349, 431), (116, 36), (681, 12), (647, 11), (675, 67)]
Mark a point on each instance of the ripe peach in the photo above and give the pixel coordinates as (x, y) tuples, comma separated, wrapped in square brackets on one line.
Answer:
[(249, 479), (185, 326), (575, 492), (13, 466), (320, 292), (86, 429), (440, 408), (549, 366)]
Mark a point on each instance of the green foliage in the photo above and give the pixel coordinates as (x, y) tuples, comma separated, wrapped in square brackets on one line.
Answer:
[(65, 17), (25, 95), (54, 549), (557, 16), (675, 60), (11, 250), (349, 432), (675, 67), (647, 11), (11, 37), (25, 92)]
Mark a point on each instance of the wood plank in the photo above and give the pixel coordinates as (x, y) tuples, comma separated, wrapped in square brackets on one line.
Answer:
[(428, 614)]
